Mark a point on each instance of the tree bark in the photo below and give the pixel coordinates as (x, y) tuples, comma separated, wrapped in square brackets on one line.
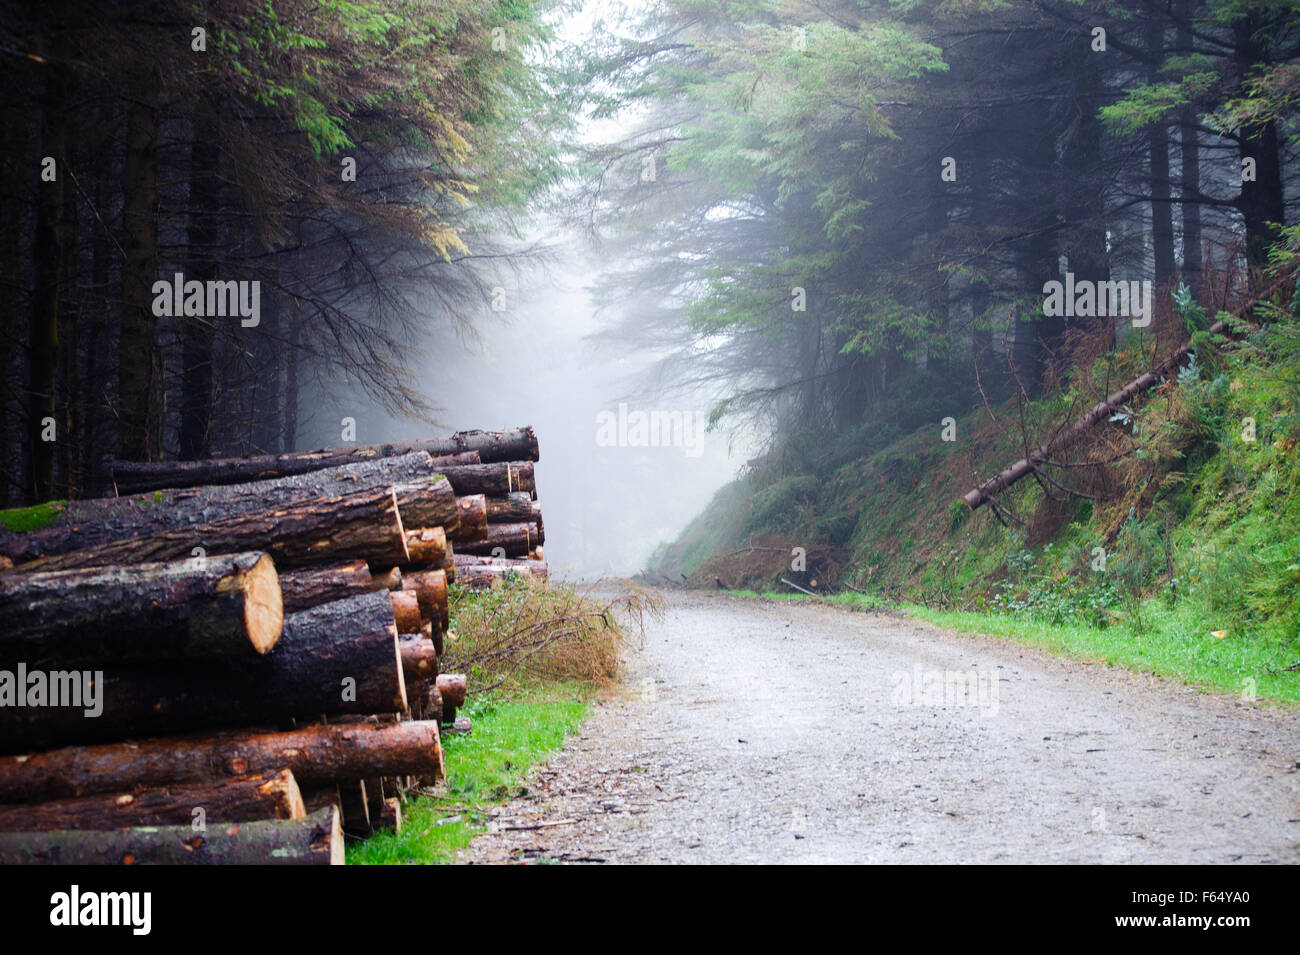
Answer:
[(136, 347), (406, 611), (453, 687), (317, 755), (220, 608), (302, 589), (313, 840), (426, 545), (419, 660), (430, 588), (43, 344), (238, 799), (91, 523), (495, 480), (510, 540), (472, 511), (517, 444), (320, 530), (516, 508), (338, 658)]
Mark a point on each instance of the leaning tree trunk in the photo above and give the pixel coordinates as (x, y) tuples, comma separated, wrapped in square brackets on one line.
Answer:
[(317, 755), (237, 799), (220, 608), (363, 524), (77, 525), (517, 444), (314, 840)]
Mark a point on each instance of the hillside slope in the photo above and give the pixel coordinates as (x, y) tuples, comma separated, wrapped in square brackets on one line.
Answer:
[(1187, 539)]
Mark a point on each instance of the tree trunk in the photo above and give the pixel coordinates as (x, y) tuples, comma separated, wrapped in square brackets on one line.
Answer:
[(43, 344), (364, 524), (338, 658), (453, 687), (197, 332), (302, 589), (219, 608), (426, 545), (1162, 211), (81, 524), (406, 611), (137, 403), (419, 659), (1261, 200), (472, 514), (508, 540), (430, 588), (496, 480), (313, 840), (317, 755), (238, 799), (518, 444), (516, 508)]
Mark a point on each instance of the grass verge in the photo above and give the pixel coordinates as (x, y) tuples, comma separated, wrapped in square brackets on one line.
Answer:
[(484, 768)]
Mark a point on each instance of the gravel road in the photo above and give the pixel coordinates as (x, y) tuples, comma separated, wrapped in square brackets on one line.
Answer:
[(750, 731)]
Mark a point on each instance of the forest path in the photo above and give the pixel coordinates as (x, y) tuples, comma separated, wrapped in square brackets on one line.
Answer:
[(751, 731)]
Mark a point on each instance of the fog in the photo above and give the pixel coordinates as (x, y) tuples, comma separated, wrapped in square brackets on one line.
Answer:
[(607, 498)]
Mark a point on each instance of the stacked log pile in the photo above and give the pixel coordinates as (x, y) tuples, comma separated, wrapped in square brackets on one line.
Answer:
[(237, 660)]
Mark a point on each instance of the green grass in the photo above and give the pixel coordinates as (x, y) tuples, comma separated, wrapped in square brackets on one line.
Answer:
[(484, 769), (34, 518)]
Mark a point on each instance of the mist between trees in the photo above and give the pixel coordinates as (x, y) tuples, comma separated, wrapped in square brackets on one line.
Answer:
[(834, 218), (341, 176)]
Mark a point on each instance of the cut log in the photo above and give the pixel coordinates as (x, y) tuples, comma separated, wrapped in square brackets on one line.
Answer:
[(477, 578), (453, 687), (428, 502), (365, 524), (312, 840), (220, 608), (317, 755), (317, 585), (498, 479), (406, 611), (335, 658), (426, 545), (429, 706), (508, 540), (517, 444), (238, 799), (419, 660), (516, 508), (430, 589), (521, 564), (94, 522), (537, 519), (472, 510)]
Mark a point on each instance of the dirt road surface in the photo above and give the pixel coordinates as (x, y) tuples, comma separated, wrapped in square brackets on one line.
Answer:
[(751, 731)]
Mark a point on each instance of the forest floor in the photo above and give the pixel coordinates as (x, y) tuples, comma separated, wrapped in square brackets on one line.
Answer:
[(758, 731)]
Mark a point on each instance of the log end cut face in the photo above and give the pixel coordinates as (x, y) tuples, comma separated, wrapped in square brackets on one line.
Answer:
[(263, 604)]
